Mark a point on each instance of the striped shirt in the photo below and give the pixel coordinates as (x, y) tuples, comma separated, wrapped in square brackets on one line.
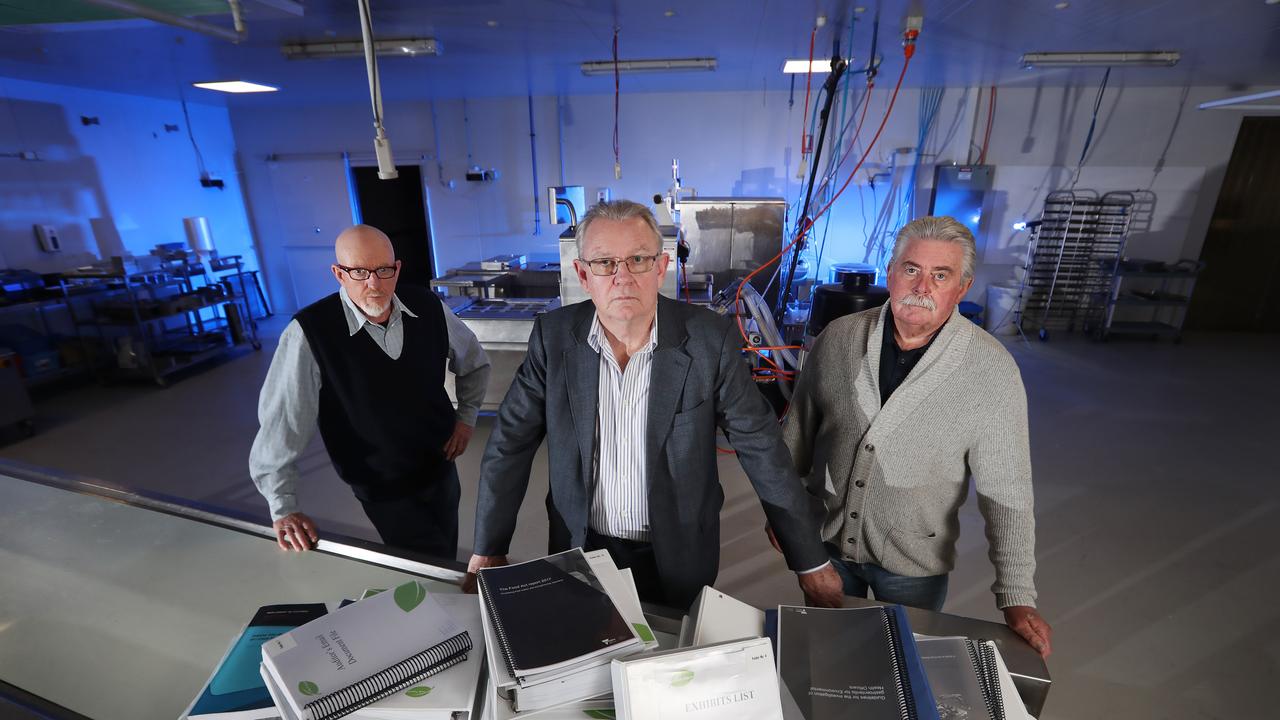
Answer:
[(619, 502)]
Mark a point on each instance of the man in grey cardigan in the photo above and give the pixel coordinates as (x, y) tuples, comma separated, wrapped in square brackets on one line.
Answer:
[(896, 408)]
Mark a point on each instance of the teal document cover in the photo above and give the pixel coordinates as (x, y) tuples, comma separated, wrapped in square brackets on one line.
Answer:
[(236, 689)]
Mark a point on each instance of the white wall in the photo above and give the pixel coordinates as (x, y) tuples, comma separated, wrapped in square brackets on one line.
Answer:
[(744, 143), (122, 185)]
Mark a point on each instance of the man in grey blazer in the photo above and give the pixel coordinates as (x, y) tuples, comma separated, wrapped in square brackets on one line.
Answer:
[(629, 390), (896, 409)]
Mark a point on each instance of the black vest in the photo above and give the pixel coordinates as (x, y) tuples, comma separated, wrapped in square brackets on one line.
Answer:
[(383, 421)]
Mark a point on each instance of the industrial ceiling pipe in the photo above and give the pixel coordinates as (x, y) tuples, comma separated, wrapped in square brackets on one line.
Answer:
[(142, 11)]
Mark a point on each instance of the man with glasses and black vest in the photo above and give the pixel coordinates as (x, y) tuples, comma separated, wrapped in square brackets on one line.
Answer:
[(367, 365), (629, 391)]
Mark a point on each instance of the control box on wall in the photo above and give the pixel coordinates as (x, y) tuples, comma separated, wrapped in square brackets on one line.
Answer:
[(47, 236), (964, 193)]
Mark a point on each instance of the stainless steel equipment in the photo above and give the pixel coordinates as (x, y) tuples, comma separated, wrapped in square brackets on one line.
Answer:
[(728, 237), (503, 262), (478, 285), (1071, 259), (571, 290), (503, 326)]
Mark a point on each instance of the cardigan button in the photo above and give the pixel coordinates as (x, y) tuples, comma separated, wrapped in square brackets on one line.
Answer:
[(853, 515), (859, 483), (869, 448)]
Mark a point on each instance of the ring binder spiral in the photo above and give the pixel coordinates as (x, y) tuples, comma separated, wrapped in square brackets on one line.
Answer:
[(504, 648), (362, 653), (983, 657), (965, 677), (900, 678), (390, 681)]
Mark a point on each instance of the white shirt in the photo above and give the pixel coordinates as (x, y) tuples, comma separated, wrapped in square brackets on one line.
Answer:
[(619, 501)]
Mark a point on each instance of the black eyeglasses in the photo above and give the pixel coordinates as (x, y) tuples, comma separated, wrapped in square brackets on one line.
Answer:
[(386, 272), (636, 264)]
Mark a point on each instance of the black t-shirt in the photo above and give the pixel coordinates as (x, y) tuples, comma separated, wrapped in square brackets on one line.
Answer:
[(896, 363)]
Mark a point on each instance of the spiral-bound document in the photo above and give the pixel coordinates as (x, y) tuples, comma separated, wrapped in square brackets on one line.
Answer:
[(850, 663), (362, 653), (963, 676), (552, 614)]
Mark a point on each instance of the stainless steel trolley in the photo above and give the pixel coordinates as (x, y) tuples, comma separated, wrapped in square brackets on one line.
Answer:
[(1072, 257)]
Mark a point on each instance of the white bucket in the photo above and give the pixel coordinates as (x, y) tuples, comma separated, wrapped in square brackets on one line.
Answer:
[(199, 236), (998, 318)]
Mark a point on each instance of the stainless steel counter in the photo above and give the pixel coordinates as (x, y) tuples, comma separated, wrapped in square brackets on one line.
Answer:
[(117, 606), (503, 327)]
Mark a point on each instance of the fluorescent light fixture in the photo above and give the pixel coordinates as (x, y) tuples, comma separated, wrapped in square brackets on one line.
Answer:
[(605, 67), (354, 48), (1243, 107), (804, 66), (235, 86), (1155, 58), (1240, 102)]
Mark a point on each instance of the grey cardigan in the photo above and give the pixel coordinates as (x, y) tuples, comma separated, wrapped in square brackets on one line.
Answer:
[(893, 479)]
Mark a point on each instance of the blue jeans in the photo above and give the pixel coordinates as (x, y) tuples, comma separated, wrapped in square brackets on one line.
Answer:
[(927, 593)]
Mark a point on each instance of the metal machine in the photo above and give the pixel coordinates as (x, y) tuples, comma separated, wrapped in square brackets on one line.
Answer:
[(498, 298), (730, 237), (571, 290), (722, 240)]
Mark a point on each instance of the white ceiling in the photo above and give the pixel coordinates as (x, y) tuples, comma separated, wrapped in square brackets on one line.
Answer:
[(536, 45)]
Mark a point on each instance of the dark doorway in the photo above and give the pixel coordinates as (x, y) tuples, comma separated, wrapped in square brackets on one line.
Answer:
[(398, 208), (1238, 290)]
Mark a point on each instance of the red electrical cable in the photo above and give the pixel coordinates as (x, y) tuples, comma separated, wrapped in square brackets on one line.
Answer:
[(888, 111), (986, 139), (804, 120), (809, 223), (866, 100)]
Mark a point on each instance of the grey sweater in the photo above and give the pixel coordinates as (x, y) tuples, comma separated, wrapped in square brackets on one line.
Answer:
[(893, 479)]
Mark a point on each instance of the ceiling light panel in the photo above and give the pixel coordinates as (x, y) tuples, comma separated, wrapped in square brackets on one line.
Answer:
[(411, 47), (805, 66), (1154, 58), (236, 86), (606, 67)]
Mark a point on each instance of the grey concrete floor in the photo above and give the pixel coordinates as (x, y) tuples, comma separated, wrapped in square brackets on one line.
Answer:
[(1156, 502)]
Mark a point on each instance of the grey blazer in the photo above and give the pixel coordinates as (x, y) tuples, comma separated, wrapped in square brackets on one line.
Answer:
[(700, 383)]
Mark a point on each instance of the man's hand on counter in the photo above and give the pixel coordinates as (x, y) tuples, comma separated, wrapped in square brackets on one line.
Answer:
[(458, 441), (822, 587), (1027, 622), (477, 562), (296, 531)]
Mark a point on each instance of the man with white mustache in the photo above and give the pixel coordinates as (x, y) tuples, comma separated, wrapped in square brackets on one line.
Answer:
[(367, 365), (896, 409)]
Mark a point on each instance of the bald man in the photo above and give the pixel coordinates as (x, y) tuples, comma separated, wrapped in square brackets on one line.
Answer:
[(367, 365)]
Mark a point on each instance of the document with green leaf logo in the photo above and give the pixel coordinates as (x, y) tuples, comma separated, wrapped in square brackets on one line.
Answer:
[(733, 680), (363, 652), (451, 694)]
